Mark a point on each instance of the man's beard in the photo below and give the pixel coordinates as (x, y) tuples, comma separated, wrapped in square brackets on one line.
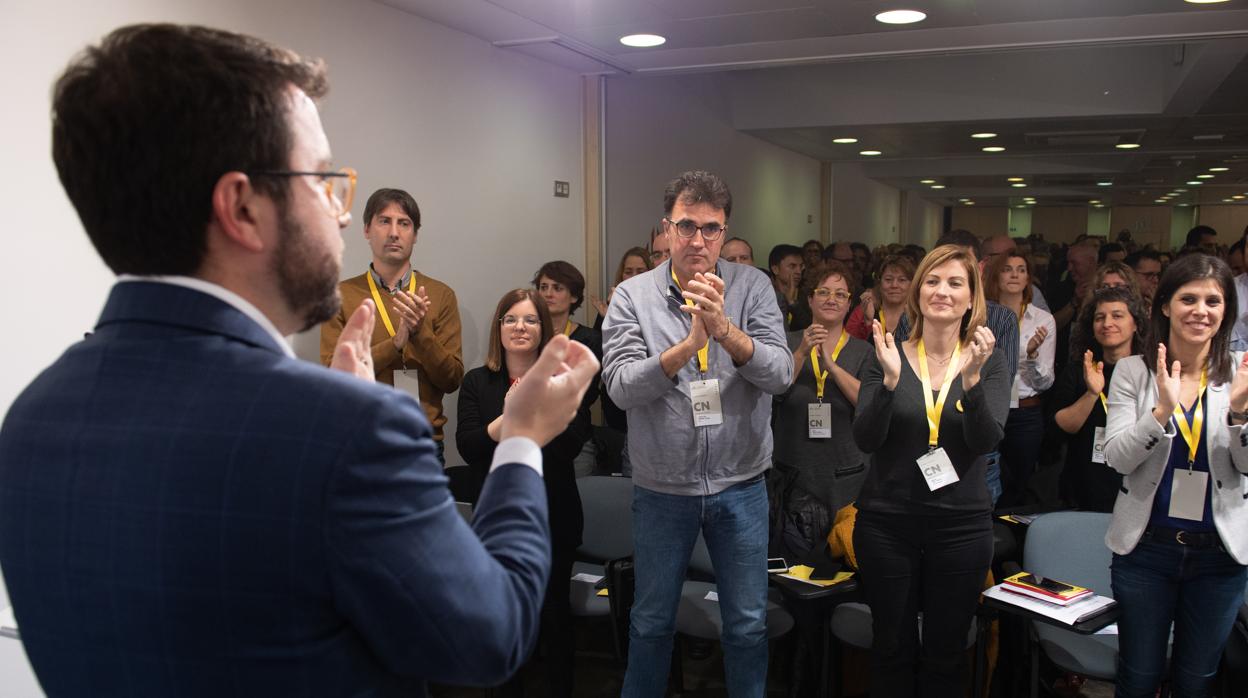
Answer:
[(308, 281)]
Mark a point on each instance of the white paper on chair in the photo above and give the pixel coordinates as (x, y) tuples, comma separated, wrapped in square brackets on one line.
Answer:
[(8, 623), (1070, 614), (587, 578), (712, 596), (1111, 629)]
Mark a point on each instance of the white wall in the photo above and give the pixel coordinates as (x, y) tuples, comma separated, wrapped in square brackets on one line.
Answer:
[(659, 127), (864, 210), (476, 134)]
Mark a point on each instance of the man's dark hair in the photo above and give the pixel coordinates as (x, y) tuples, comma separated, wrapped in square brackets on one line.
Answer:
[(747, 243), (698, 186), (1103, 253), (382, 198), (1237, 247), (1195, 234), (962, 238), (146, 123), (779, 252), (1133, 260), (566, 274)]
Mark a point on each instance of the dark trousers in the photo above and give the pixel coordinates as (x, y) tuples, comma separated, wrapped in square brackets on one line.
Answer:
[(1020, 451), (556, 633), (933, 564)]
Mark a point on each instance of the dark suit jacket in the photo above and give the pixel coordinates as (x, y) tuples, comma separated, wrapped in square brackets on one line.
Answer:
[(480, 402), (185, 510)]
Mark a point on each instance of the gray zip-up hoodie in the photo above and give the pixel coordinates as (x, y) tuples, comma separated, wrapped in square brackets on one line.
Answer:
[(668, 453)]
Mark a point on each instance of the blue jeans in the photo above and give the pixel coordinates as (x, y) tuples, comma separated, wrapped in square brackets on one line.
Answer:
[(665, 528), (1200, 590), (992, 475)]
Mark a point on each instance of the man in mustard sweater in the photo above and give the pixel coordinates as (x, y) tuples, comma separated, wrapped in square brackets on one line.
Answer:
[(416, 339)]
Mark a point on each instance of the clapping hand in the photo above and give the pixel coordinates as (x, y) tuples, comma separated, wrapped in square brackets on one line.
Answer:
[(1037, 339), (1169, 386), (868, 304), (888, 354), (411, 309), (1239, 386), (812, 336), (976, 354), (1093, 374), (707, 293), (353, 353), (542, 404)]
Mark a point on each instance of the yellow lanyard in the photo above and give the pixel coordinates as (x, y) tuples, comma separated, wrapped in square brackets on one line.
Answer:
[(934, 408), (704, 351), (567, 329), (883, 325), (1103, 405), (1192, 435), (821, 377), (381, 307), (1021, 312)]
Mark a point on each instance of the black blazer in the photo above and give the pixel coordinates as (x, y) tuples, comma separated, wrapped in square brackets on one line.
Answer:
[(480, 402)]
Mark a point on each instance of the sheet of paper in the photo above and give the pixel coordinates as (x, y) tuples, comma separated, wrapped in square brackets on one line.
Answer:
[(587, 578)]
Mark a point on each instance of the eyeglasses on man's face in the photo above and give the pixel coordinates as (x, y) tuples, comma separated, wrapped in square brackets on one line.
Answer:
[(511, 321), (823, 294), (687, 229), (339, 186)]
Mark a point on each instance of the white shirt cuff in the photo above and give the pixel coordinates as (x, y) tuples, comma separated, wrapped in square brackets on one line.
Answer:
[(518, 449)]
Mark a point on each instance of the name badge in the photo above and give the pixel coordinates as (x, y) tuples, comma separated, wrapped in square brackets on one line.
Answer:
[(937, 469), (1187, 494), (1098, 445), (706, 408), (819, 417), (407, 381)]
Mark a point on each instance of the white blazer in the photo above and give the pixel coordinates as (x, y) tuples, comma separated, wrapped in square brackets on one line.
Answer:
[(1139, 448)]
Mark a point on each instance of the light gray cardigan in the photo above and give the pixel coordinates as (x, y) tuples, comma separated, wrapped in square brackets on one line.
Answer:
[(1139, 448)]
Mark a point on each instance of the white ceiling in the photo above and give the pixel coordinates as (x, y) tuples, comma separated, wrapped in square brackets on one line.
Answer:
[(1060, 81)]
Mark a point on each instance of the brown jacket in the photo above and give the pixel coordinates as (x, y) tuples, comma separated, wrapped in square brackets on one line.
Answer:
[(435, 350)]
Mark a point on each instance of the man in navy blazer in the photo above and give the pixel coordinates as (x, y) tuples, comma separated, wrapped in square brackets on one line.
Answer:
[(185, 508)]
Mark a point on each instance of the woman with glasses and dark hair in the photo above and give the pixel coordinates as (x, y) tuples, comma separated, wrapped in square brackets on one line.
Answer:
[(886, 301), (520, 330), (1109, 328), (813, 420), (1008, 281), (1180, 525), (930, 410)]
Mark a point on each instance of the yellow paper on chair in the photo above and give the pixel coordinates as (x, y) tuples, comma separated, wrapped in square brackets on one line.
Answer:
[(802, 574)]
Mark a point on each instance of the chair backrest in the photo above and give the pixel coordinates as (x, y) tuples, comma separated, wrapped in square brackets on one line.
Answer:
[(1070, 546), (607, 503)]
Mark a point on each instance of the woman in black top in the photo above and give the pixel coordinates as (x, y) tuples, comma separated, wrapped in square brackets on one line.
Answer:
[(1109, 328), (520, 330), (923, 537)]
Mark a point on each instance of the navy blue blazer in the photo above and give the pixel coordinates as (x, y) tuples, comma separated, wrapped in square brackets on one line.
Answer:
[(185, 510)]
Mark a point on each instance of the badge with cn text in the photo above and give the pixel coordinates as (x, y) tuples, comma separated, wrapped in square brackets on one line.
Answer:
[(1187, 494), (706, 407), (1098, 445), (819, 419), (407, 381), (937, 469)]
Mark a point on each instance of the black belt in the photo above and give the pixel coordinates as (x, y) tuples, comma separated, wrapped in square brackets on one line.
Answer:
[(1191, 539)]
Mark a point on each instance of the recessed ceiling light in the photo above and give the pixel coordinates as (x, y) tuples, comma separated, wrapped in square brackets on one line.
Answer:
[(1160, 201), (1219, 169), (1018, 185), (1013, 179), (1181, 191), (1238, 196), (1195, 181), (1183, 204), (1204, 176), (1127, 146), (992, 149), (869, 152), (984, 134), (643, 40), (1208, 137), (1098, 205), (1104, 184), (966, 200), (1228, 201), (1020, 206), (1094, 201), (843, 141), (1205, 2), (927, 181), (900, 17), (938, 186), (969, 203)]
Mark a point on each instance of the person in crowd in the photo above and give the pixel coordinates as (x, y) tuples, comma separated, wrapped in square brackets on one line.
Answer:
[(1067, 294), (813, 419), (1235, 257), (915, 253), (636, 260), (929, 410), (886, 301), (416, 339), (1146, 264), (737, 251), (1180, 525), (562, 287), (1007, 280), (862, 263), (695, 367), (1110, 252), (785, 262), (520, 329), (1004, 326), (812, 253), (1239, 333), (1203, 237), (1110, 328), (660, 248), (1114, 274), (185, 507), (1000, 244)]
